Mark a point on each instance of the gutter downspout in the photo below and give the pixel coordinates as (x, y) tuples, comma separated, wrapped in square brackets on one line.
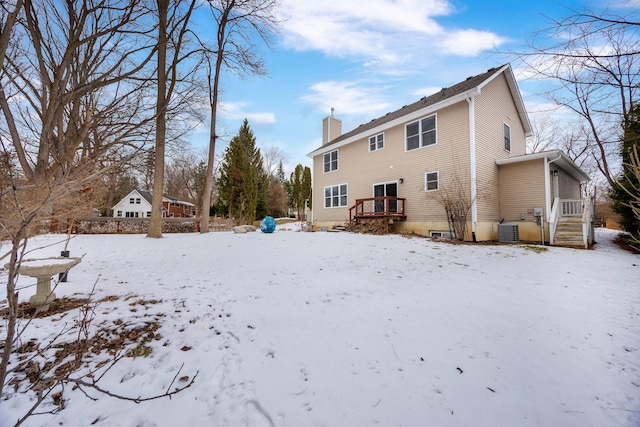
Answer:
[(472, 165)]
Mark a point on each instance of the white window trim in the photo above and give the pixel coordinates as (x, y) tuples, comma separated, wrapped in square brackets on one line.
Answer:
[(439, 233), (508, 150), (337, 161), (426, 183), (376, 141), (420, 142), (324, 197)]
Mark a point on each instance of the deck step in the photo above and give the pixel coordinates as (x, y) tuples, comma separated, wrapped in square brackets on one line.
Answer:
[(569, 232)]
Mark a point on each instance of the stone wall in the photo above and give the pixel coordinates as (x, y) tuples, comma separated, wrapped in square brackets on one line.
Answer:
[(111, 225)]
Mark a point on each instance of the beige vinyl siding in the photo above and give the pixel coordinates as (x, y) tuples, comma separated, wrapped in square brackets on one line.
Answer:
[(493, 108), (361, 169), (569, 186), (521, 187)]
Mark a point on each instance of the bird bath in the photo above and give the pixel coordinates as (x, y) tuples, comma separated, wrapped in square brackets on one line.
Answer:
[(43, 269)]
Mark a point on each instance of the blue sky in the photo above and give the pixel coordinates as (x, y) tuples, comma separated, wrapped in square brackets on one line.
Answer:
[(368, 58)]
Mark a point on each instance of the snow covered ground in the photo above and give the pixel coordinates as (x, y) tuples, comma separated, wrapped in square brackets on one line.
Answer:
[(337, 329)]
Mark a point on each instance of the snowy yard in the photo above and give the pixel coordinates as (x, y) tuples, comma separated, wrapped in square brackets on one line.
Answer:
[(336, 329)]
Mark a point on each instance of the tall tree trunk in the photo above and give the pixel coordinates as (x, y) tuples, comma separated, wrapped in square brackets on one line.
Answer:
[(213, 100), (155, 223)]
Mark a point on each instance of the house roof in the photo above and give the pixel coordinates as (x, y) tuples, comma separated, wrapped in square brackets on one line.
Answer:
[(176, 200), (446, 96), (148, 196), (555, 156)]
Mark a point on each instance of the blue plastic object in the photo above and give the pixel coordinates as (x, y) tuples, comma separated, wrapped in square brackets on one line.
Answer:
[(268, 225)]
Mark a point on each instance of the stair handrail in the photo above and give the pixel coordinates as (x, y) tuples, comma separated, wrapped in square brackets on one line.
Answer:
[(586, 221), (553, 219)]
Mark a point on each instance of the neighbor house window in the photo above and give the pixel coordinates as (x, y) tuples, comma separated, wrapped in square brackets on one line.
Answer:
[(131, 201), (507, 137), (137, 200), (376, 142), (421, 133), (119, 213), (335, 196), (331, 161), (148, 214), (431, 181)]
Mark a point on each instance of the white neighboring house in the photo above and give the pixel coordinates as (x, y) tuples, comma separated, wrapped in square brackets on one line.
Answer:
[(137, 204)]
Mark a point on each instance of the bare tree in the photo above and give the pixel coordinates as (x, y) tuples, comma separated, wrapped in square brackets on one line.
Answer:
[(68, 77), (594, 57), (172, 30), (185, 175), (272, 157), (239, 23), (7, 27)]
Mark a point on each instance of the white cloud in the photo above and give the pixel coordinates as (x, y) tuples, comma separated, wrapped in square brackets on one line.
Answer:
[(237, 110), (391, 31), (346, 97), (470, 42)]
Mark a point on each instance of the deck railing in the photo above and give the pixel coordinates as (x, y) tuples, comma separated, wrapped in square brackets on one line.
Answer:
[(378, 207)]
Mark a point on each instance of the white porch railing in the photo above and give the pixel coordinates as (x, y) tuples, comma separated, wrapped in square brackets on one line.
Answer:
[(582, 208), (572, 207)]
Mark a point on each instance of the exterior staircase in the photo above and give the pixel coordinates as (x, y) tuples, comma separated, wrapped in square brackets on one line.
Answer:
[(569, 232)]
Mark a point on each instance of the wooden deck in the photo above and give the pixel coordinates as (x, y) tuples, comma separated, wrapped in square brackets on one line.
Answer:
[(378, 207)]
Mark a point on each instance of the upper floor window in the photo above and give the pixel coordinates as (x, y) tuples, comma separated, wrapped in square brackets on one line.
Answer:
[(421, 133), (331, 161), (376, 142), (137, 200), (431, 181), (131, 201), (507, 137)]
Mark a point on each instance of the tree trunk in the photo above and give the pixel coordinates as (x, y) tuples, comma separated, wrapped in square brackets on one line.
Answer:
[(155, 223)]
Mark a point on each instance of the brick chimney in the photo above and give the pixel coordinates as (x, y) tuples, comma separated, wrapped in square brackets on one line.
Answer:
[(331, 128)]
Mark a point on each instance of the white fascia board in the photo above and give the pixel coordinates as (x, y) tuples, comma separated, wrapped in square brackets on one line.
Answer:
[(556, 156), (527, 157), (407, 118)]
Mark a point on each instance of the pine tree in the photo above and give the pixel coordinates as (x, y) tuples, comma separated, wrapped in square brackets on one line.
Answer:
[(626, 192), (242, 183)]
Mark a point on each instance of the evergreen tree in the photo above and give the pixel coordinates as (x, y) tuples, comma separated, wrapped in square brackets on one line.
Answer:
[(242, 183), (626, 192), (280, 173), (300, 188), (306, 186)]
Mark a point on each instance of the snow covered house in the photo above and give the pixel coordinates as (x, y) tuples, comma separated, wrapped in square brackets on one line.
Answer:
[(137, 204), (468, 139)]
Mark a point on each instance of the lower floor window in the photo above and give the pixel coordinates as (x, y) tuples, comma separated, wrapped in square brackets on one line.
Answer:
[(335, 196), (431, 181)]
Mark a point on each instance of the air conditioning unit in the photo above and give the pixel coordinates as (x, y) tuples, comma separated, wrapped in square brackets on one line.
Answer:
[(508, 233)]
